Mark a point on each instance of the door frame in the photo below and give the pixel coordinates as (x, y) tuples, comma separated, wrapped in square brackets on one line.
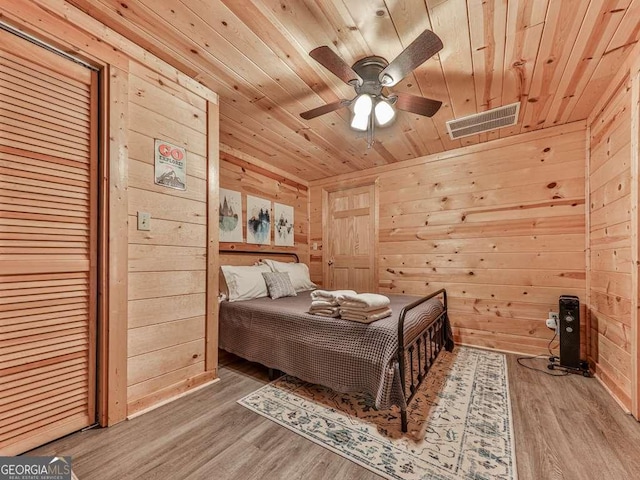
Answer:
[(347, 185), (98, 239), (113, 262)]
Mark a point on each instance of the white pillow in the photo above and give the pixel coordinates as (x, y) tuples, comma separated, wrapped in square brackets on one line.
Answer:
[(298, 272), (245, 283)]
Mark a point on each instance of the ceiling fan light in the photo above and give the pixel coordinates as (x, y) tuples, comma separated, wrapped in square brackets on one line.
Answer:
[(360, 122), (384, 112), (363, 105)]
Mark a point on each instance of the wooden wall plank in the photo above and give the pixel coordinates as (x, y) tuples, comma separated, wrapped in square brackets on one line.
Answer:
[(613, 225), (213, 256), (169, 291), (505, 237), (635, 239), (241, 175), (114, 358)]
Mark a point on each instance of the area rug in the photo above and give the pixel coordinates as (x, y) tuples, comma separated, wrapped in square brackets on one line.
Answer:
[(460, 423)]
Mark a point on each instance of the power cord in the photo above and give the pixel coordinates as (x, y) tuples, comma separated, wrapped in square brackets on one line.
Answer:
[(545, 371)]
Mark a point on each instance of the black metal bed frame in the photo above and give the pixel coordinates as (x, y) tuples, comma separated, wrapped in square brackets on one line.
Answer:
[(260, 252), (427, 344)]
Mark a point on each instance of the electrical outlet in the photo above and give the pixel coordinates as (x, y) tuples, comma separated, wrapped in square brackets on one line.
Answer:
[(552, 321)]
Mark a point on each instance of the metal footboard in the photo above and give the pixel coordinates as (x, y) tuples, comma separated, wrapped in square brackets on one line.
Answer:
[(422, 350)]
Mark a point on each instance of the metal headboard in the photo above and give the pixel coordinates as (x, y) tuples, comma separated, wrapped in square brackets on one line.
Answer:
[(261, 252)]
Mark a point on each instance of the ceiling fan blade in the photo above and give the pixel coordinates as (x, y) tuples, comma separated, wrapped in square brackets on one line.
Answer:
[(329, 107), (419, 105), (336, 65), (426, 45)]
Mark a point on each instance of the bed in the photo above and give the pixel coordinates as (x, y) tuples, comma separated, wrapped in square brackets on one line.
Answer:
[(387, 359)]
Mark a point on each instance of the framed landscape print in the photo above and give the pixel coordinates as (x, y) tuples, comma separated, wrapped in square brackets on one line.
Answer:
[(230, 216), (258, 220), (283, 225)]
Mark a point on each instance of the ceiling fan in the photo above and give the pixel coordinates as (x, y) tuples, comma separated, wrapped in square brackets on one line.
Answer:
[(370, 77)]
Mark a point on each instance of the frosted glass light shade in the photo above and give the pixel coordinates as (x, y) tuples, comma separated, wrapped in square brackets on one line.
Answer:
[(361, 110), (363, 105), (360, 122), (384, 112)]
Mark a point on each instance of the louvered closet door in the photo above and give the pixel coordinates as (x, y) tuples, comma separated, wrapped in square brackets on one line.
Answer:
[(48, 221)]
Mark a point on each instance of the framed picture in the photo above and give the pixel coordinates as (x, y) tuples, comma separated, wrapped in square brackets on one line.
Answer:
[(230, 216), (258, 220), (170, 165), (283, 231)]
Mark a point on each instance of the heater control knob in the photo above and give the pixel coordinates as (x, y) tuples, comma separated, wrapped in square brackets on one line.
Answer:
[(569, 318), (569, 329)]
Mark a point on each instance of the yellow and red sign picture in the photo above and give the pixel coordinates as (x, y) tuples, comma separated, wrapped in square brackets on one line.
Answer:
[(171, 165)]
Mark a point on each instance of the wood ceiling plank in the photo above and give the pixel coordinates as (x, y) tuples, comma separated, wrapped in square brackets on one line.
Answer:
[(292, 143), (254, 53), (246, 41), (242, 93), (562, 24), (272, 149), (286, 48), (525, 22), (487, 50), (621, 45), (598, 53), (217, 50), (302, 26), (598, 27), (223, 21), (410, 19), (375, 33), (455, 57)]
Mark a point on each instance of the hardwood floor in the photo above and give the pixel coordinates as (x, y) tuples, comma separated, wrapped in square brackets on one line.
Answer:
[(565, 428)]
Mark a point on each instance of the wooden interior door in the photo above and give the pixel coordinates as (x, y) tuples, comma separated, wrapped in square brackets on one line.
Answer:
[(48, 245), (351, 239)]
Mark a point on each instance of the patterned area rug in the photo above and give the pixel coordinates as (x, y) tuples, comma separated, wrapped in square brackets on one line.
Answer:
[(460, 423)]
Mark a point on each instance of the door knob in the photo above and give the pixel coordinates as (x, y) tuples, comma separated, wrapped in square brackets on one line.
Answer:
[(330, 262)]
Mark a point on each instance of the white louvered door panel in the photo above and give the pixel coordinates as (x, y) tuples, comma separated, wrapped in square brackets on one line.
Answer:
[(48, 222)]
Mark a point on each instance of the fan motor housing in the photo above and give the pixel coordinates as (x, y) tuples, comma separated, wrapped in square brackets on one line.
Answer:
[(369, 69)]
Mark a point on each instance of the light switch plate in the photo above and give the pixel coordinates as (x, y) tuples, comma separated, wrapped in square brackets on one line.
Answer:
[(144, 221)]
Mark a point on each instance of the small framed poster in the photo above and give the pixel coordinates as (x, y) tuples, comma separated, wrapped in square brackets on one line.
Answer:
[(283, 224), (258, 220), (171, 165), (230, 216)]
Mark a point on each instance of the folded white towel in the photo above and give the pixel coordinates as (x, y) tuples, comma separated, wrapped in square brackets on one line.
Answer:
[(323, 303), (319, 308), (371, 301), (326, 312), (366, 318), (330, 295), (361, 312)]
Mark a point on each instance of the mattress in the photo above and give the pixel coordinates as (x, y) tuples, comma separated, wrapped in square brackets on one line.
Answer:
[(343, 355)]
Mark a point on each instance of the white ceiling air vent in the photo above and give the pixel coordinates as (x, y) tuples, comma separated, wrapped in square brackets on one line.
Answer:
[(483, 122)]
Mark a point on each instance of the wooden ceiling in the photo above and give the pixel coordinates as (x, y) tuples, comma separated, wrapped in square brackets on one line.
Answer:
[(552, 56)]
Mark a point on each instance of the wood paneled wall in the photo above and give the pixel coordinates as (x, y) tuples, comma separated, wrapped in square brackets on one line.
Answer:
[(168, 264), (158, 335), (246, 176), (613, 192), (500, 226)]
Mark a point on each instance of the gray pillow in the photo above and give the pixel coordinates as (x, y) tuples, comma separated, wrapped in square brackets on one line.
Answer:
[(279, 284)]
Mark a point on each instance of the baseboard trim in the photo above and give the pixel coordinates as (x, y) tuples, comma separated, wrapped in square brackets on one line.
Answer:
[(199, 382), (610, 392)]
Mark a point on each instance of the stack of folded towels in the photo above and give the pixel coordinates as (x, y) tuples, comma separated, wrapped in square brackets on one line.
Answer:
[(363, 307), (325, 302)]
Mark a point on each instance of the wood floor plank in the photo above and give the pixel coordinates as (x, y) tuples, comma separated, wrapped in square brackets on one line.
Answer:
[(565, 428)]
